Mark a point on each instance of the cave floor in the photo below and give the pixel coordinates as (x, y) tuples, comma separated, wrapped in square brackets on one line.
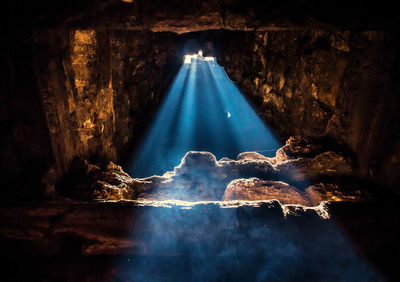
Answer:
[(212, 241)]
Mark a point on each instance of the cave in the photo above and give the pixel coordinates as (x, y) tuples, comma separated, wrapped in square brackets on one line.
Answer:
[(221, 140)]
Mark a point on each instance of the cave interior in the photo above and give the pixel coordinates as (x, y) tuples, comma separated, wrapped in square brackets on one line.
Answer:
[(221, 140)]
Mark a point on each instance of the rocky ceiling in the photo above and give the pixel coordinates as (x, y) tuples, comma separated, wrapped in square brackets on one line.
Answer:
[(187, 16)]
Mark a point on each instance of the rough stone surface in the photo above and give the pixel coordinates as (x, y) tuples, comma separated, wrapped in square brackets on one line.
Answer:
[(254, 189), (101, 69), (318, 193), (299, 146), (306, 169), (201, 177), (99, 97), (322, 83), (299, 82), (192, 15)]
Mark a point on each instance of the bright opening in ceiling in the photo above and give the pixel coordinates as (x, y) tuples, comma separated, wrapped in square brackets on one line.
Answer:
[(203, 111), (198, 58)]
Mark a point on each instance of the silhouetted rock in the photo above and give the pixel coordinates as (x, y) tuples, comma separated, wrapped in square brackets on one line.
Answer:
[(252, 176)]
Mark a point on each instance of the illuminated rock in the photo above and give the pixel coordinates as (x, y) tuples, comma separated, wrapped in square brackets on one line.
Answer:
[(254, 189), (320, 192), (196, 160), (114, 184), (252, 176), (300, 83), (299, 146), (251, 156), (201, 177), (311, 169)]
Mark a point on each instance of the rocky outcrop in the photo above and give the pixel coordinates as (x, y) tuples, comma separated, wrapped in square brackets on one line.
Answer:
[(300, 146), (200, 177), (100, 87), (320, 192), (98, 91), (254, 189), (299, 81), (322, 83), (327, 164)]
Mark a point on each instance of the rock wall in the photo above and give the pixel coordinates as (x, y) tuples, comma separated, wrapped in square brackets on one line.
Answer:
[(102, 68), (340, 84), (100, 89)]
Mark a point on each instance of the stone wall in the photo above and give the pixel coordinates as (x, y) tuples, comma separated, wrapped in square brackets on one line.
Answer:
[(100, 89), (338, 84), (99, 70)]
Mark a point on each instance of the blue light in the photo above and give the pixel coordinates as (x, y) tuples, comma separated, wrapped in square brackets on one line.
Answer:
[(203, 111)]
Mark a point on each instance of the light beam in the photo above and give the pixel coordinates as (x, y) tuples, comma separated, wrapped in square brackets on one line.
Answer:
[(203, 111)]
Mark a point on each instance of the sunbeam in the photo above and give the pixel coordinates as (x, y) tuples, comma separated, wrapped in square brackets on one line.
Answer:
[(203, 111)]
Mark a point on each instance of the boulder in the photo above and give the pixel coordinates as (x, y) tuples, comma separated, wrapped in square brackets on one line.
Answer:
[(252, 176), (298, 146), (254, 189), (251, 156), (327, 164)]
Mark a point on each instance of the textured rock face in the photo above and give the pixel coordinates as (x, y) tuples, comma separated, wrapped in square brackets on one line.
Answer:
[(111, 84), (321, 83), (252, 177), (254, 189), (191, 15), (99, 90), (306, 169), (102, 69)]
